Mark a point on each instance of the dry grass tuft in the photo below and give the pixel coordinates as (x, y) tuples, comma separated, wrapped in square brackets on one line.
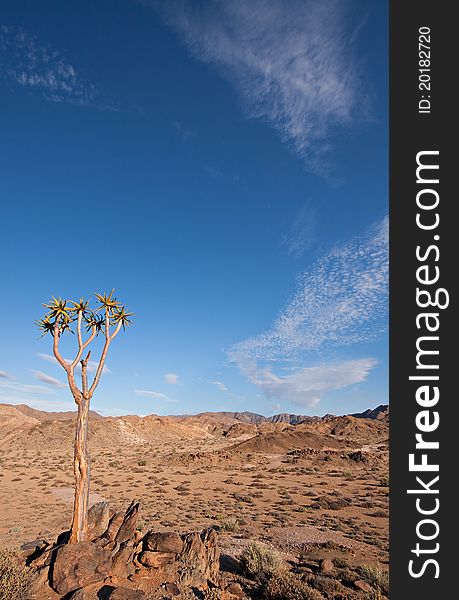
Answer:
[(14, 577), (260, 561), (288, 586), (376, 577)]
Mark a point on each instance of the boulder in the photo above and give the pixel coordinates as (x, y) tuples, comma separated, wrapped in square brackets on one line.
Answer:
[(200, 558), (150, 580), (156, 559), (128, 526), (43, 559), (39, 586), (163, 541), (171, 589), (114, 525), (235, 589), (364, 586), (327, 566), (91, 592), (122, 565), (98, 520), (78, 565)]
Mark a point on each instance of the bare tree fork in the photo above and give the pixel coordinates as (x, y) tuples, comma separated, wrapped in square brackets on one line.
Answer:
[(62, 314)]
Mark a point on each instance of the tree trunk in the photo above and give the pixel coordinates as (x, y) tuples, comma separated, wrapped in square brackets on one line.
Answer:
[(81, 468)]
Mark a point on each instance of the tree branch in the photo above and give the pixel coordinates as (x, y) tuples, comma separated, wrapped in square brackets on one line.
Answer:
[(56, 352), (81, 345), (76, 392), (103, 356), (80, 340), (91, 337), (116, 332), (84, 374)]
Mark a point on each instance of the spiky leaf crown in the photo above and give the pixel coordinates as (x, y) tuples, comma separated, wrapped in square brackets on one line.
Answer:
[(62, 313)]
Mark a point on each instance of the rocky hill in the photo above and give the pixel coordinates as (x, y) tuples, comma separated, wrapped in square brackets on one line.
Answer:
[(24, 427), (379, 413)]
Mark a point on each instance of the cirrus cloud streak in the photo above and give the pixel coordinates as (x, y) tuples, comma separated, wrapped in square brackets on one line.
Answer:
[(292, 62), (341, 300), (155, 395)]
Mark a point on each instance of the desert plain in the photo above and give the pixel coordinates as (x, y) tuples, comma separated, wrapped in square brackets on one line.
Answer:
[(315, 490)]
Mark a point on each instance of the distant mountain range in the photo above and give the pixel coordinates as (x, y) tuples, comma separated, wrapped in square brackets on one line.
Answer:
[(378, 413)]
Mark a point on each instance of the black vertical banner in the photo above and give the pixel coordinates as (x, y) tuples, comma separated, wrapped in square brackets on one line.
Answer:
[(424, 250)]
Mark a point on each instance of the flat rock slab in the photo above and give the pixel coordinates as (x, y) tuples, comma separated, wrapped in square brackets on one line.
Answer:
[(163, 541), (123, 593), (156, 559)]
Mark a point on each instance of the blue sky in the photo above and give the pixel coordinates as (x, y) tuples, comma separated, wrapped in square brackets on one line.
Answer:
[(224, 167)]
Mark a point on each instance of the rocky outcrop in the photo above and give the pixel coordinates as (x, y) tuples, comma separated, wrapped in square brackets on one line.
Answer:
[(118, 561)]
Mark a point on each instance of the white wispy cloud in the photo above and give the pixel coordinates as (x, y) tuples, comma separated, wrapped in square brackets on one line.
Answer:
[(92, 364), (213, 171), (307, 385), (39, 404), (292, 62), (112, 411), (6, 375), (45, 378), (171, 378), (340, 300), (220, 385), (15, 387), (156, 395), (39, 67), (48, 357), (184, 132), (92, 368), (301, 234)]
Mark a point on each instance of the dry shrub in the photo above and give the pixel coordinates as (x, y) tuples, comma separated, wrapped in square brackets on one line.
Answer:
[(374, 595), (288, 586), (264, 564), (14, 577), (229, 524), (376, 577), (260, 561)]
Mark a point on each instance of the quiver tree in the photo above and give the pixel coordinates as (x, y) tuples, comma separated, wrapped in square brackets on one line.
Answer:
[(107, 319)]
